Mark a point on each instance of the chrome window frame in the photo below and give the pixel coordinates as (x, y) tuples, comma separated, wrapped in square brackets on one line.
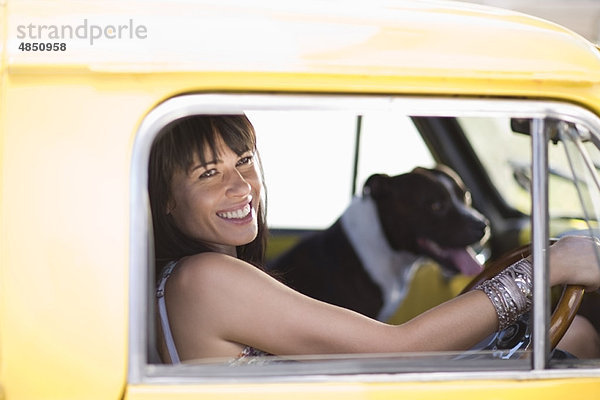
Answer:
[(141, 301)]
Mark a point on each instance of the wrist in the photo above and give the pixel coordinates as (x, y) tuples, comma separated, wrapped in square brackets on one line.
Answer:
[(555, 273), (555, 276), (510, 292)]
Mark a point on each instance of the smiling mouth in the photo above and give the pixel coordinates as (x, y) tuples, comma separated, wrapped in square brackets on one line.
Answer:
[(237, 214)]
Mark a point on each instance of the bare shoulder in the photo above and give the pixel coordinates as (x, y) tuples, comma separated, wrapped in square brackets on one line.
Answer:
[(207, 296), (206, 263), (208, 272), (215, 294)]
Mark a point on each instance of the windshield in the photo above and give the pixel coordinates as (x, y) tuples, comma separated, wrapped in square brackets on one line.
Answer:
[(506, 157), (581, 173)]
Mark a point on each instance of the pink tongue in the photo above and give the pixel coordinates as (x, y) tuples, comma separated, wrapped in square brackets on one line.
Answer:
[(464, 260)]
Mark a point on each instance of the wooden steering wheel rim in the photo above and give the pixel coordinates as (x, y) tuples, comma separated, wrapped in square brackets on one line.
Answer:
[(567, 306)]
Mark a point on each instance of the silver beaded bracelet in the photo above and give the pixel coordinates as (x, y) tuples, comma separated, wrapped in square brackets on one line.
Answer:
[(510, 292)]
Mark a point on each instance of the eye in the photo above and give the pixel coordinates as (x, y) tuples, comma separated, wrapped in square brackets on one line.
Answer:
[(246, 160), (438, 207), (208, 173)]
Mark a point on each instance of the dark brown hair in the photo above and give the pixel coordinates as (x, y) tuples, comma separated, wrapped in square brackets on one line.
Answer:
[(174, 149)]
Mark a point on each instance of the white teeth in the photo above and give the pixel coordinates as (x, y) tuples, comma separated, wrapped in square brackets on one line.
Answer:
[(238, 214)]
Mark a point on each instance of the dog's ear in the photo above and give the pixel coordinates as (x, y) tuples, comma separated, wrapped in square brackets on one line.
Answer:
[(420, 170), (428, 172), (376, 186), (444, 169)]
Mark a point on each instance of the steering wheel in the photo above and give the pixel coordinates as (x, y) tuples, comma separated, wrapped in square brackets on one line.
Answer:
[(505, 343)]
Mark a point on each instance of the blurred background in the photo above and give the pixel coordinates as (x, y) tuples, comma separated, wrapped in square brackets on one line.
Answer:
[(581, 16)]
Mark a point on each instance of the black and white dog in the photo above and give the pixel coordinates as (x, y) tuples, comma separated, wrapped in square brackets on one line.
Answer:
[(366, 259)]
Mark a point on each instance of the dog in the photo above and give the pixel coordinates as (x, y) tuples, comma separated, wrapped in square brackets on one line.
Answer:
[(366, 259)]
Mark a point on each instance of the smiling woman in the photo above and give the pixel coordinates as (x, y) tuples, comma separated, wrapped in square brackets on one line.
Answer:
[(206, 190)]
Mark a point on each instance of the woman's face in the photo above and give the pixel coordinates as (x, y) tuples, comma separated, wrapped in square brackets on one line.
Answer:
[(217, 203)]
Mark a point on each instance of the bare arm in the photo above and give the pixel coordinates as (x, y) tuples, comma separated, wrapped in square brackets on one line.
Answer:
[(216, 301)]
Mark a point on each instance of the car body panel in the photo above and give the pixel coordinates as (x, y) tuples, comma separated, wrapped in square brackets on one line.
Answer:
[(454, 390), (68, 124), (292, 47)]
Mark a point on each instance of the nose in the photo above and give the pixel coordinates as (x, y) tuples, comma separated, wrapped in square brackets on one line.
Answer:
[(237, 185)]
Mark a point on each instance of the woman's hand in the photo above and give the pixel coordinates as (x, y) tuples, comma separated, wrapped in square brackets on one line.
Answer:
[(574, 260)]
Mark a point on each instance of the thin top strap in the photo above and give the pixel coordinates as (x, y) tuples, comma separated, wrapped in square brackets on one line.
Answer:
[(162, 312)]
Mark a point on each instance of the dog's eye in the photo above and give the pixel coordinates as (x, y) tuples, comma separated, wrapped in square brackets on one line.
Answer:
[(436, 206)]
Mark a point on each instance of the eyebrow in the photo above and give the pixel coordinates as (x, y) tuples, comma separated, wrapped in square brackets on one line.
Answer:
[(214, 161), (203, 165)]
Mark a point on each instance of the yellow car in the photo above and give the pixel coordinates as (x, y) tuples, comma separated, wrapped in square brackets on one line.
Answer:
[(337, 91)]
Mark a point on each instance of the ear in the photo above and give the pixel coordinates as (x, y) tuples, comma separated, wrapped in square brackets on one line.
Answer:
[(444, 169), (420, 170), (430, 174), (376, 186)]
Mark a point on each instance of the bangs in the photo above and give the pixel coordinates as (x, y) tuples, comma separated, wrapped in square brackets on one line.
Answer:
[(200, 134)]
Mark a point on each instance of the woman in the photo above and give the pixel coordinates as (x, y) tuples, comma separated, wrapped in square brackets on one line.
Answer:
[(208, 213)]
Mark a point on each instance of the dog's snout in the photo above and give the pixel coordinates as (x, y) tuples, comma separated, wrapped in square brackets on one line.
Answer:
[(481, 223), (480, 229), (473, 227)]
